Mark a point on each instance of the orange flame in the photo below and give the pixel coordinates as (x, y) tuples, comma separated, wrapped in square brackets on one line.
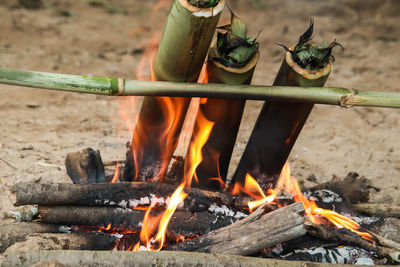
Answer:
[(116, 173), (313, 211), (195, 147)]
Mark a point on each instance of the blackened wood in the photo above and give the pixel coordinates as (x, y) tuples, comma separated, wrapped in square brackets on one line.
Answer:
[(345, 237), (226, 114), (353, 187), (182, 222), (68, 241), (119, 194), (85, 167), (251, 234), (277, 127), (16, 232), (378, 209), (145, 258)]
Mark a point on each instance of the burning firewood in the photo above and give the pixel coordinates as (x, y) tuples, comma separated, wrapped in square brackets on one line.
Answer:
[(232, 59), (251, 234), (180, 57), (279, 123), (182, 222), (121, 195)]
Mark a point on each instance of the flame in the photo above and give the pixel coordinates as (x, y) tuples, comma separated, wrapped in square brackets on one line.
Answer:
[(194, 153), (116, 173), (314, 212)]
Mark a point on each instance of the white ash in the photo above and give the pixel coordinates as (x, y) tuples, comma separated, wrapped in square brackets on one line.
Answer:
[(364, 219), (64, 229), (324, 195), (156, 200), (118, 236), (133, 203), (278, 249), (123, 203), (224, 210), (144, 201), (337, 255)]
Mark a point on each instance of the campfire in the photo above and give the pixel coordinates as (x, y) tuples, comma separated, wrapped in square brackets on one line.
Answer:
[(155, 200)]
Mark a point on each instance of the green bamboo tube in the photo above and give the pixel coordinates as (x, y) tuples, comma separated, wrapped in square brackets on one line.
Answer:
[(226, 113), (278, 126), (180, 57), (110, 86)]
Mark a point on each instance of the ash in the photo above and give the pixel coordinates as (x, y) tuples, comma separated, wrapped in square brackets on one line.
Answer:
[(337, 255), (225, 211)]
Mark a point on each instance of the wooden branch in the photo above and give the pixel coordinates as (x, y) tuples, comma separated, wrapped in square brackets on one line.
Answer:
[(251, 234), (119, 87), (119, 194), (378, 209), (144, 258), (342, 236), (69, 241), (182, 222), (16, 232)]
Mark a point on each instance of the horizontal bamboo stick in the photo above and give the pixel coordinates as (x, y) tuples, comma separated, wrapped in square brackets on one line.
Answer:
[(118, 86)]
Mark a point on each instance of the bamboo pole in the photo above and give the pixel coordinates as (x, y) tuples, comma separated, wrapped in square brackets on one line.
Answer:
[(226, 114), (180, 57), (110, 86), (278, 126)]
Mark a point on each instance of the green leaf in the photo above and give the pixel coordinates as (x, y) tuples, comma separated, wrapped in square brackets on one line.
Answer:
[(238, 27)]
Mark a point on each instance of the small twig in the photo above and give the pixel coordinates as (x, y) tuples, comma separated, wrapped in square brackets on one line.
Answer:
[(12, 165)]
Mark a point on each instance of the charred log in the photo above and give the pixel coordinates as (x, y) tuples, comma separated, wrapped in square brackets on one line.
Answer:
[(182, 222), (16, 232), (252, 234), (120, 195), (70, 241)]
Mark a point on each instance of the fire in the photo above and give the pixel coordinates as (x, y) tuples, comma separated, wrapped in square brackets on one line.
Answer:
[(289, 183), (195, 146), (116, 173), (149, 224), (314, 212)]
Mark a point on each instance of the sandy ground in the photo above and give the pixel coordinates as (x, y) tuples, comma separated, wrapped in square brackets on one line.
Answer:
[(38, 128)]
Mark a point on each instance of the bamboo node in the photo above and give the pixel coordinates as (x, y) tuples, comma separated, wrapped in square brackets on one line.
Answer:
[(348, 100), (121, 86)]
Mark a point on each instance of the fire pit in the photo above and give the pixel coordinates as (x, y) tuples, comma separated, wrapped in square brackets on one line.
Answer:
[(150, 202)]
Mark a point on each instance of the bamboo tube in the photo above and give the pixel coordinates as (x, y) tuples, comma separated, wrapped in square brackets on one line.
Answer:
[(109, 86), (180, 57), (226, 113), (278, 126)]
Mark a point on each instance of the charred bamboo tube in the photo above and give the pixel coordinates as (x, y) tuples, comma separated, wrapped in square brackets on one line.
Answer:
[(182, 222), (278, 126), (180, 57), (109, 86), (120, 195), (251, 234), (226, 113)]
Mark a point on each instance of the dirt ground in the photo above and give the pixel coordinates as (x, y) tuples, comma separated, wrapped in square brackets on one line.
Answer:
[(38, 127)]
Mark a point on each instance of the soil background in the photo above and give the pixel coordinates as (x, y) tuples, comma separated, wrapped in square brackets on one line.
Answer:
[(108, 38)]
